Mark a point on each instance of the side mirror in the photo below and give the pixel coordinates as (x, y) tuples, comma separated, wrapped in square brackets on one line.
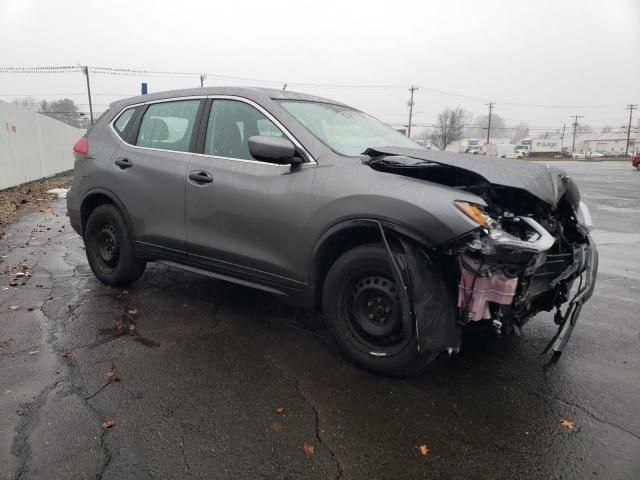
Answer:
[(273, 149)]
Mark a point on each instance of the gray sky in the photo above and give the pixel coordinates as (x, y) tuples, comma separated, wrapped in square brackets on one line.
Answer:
[(580, 54)]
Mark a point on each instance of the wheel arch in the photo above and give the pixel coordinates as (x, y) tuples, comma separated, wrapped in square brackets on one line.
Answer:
[(100, 196), (346, 235)]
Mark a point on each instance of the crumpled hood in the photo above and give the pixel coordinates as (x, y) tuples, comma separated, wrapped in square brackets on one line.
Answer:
[(546, 182)]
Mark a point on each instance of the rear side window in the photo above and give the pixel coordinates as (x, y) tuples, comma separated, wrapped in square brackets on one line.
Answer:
[(123, 120), (168, 125)]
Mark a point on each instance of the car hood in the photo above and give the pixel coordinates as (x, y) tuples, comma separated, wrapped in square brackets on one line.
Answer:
[(546, 182)]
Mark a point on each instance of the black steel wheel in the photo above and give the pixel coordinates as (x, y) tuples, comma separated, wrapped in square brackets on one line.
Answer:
[(361, 309), (370, 307), (110, 249)]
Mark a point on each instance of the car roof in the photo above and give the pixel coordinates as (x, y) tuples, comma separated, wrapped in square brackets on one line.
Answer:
[(259, 95)]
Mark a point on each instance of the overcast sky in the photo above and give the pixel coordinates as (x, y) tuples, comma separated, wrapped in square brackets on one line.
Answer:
[(581, 54)]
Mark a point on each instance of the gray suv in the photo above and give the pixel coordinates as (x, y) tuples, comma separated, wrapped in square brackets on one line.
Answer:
[(308, 198)]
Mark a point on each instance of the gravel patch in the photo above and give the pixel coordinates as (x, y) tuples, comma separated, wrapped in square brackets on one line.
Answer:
[(25, 198)]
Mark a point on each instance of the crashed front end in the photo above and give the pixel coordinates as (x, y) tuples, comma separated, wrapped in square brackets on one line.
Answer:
[(531, 251), (523, 260)]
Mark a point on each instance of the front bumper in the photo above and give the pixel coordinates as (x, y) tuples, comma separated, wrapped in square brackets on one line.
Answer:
[(587, 259)]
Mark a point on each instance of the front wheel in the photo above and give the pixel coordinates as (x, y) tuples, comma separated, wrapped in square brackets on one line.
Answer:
[(362, 311), (110, 249)]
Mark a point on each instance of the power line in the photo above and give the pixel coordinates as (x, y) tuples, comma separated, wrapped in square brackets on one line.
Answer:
[(101, 70)]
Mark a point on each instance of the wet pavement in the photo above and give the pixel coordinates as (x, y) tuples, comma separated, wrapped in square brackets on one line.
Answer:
[(196, 379)]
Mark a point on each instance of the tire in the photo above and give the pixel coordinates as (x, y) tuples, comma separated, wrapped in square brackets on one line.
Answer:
[(109, 248), (359, 285)]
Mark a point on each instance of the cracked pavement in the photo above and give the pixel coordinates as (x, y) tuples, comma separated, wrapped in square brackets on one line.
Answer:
[(200, 369)]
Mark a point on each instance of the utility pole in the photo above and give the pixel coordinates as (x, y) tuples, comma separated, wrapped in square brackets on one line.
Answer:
[(85, 70), (575, 127), (202, 77), (630, 107), (490, 104), (411, 103), (564, 125)]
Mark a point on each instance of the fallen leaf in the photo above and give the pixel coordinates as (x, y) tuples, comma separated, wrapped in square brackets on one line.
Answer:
[(109, 424), (113, 377), (132, 327), (568, 424), (34, 352), (278, 427), (133, 311), (424, 450), (309, 449), (4, 343), (67, 354), (280, 410), (14, 307)]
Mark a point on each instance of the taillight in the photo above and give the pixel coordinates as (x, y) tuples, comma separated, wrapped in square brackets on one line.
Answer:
[(82, 146)]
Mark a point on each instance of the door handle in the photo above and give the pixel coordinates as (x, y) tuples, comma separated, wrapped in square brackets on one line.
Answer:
[(124, 163), (200, 177)]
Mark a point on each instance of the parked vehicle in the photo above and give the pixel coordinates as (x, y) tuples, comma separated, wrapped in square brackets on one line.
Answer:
[(548, 147), (399, 247), (595, 155), (635, 160), (503, 150)]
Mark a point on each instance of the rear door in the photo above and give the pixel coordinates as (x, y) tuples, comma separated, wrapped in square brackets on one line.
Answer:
[(149, 170), (243, 220)]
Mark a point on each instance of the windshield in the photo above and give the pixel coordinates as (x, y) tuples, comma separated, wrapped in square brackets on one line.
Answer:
[(345, 130)]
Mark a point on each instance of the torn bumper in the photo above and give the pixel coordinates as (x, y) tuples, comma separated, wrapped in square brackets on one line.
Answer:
[(587, 259)]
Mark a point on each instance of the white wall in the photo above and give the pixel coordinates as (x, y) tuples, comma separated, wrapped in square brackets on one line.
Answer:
[(33, 146)]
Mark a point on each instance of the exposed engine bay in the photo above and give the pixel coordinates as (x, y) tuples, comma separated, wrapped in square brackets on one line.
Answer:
[(530, 252)]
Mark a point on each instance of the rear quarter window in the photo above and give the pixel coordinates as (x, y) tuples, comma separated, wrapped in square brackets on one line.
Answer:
[(120, 125)]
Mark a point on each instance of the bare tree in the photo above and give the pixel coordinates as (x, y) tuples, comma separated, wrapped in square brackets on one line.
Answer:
[(584, 129), (519, 131), (481, 122), (64, 110), (449, 127), (28, 103)]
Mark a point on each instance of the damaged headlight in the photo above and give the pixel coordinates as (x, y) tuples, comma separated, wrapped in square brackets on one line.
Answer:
[(474, 212), (584, 217)]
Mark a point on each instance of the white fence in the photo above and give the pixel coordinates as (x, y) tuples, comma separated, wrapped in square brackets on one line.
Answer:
[(33, 146)]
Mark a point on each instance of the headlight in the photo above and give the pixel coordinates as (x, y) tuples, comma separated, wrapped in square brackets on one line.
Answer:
[(474, 212), (584, 216)]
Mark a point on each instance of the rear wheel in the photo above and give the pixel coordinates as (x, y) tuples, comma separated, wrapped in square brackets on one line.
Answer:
[(362, 310), (109, 247)]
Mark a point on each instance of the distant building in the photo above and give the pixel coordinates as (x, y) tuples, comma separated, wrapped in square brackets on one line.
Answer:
[(614, 141)]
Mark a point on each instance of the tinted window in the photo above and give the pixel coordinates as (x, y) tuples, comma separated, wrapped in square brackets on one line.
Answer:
[(123, 120), (168, 125), (231, 124)]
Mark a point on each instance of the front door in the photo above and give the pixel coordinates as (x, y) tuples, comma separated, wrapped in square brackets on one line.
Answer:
[(243, 219)]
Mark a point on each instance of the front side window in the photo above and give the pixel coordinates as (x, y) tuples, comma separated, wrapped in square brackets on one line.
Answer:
[(345, 130), (231, 124), (168, 125)]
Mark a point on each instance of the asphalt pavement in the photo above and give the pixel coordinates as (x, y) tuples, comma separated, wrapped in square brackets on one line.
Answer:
[(183, 376)]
